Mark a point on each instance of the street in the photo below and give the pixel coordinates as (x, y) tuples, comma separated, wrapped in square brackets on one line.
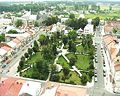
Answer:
[(99, 88), (11, 68)]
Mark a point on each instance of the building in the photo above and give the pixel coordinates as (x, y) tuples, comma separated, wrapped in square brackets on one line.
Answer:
[(89, 28), (10, 86), (110, 25)]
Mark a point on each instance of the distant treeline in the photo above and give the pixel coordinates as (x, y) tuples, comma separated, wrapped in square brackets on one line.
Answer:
[(19, 7)]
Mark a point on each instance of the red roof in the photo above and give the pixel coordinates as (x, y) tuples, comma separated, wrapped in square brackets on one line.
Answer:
[(117, 67), (7, 48), (71, 91), (16, 41), (10, 87)]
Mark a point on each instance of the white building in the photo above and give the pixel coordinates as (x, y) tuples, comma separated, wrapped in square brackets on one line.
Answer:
[(30, 88), (5, 21), (89, 28)]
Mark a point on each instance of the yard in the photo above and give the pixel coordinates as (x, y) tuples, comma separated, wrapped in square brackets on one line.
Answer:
[(34, 58), (62, 62), (82, 61), (73, 78)]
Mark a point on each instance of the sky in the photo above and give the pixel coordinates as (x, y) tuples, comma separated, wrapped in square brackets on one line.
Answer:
[(52, 0)]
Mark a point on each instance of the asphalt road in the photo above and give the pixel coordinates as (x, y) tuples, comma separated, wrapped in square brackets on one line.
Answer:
[(12, 66), (99, 87)]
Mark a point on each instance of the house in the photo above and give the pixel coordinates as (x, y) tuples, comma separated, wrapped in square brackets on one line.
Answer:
[(113, 47), (66, 32), (79, 31), (110, 25), (64, 90), (89, 28), (10, 86), (18, 44), (4, 21), (28, 88), (2, 54), (110, 43), (6, 52)]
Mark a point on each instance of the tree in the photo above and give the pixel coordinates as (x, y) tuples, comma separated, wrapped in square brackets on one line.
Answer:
[(30, 51), (36, 46), (72, 35), (91, 66), (35, 43), (84, 79), (21, 65), (82, 22), (71, 16), (91, 73), (114, 30), (66, 71), (96, 21), (51, 20), (54, 49), (26, 55), (12, 32), (43, 40), (2, 37), (35, 49), (18, 23), (23, 58), (55, 77), (65, 39), (72, 46), (53, 68), (73, 60), (58, 34), (47, 53), (36, 24), (42, 67)]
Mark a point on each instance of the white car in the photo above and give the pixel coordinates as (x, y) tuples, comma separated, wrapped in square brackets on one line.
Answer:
[(95, 78)]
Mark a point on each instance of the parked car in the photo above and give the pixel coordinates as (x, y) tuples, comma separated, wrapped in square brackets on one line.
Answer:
[(95, 78), (104, 73), (4, 65)]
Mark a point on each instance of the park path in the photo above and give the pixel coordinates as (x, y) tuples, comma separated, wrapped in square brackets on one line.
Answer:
[(63, 52)]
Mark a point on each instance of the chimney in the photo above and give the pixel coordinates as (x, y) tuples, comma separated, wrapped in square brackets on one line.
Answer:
[(28, 84)]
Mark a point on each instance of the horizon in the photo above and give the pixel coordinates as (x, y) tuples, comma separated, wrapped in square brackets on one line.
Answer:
[(57, 0)]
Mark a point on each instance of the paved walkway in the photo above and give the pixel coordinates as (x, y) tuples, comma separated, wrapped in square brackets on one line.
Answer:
[(75, 69)]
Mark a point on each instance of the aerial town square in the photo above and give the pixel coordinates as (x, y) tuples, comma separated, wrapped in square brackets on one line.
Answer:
[(59, 47)]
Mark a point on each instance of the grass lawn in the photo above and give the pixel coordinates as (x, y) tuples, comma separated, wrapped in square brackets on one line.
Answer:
[(78, 41), (62, 62), (80, 48), (36, 57), (27, 73), (102, 16), (73, 78), (82, 61)]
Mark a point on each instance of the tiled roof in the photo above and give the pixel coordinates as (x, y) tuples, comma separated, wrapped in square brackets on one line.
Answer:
[(71, 91), (6, 48), (117, 67), (112, 24), (10, 87), (3, 44), (16, 41)]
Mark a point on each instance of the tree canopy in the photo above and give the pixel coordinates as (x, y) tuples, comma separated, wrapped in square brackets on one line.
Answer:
[(51, 20), (2, 37), (76, 23), (12, 32), (18, 23)]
